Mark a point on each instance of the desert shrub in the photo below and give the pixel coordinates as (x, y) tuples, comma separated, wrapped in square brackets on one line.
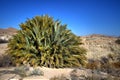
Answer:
[(114, 57), (116, 65), (22, 71), (73, 75), (93, 64), (25, 71), (94, 76), (117, 41), (5, 60), (105, 64), (101, 78), (111, 64), (62, 77), (114, 60), (45, 42), (37, 71)]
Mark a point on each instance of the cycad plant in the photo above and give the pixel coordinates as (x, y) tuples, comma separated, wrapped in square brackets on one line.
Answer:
[(45, 42)]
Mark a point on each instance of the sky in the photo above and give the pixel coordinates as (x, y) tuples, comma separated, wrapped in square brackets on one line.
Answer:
[(83, 17)]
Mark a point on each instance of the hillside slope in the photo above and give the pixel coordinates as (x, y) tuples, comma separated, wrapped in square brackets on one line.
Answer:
[(8, 31), (100, 45), (5, 35)]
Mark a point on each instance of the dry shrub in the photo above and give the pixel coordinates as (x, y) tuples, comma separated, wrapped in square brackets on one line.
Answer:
[(117, 41), (116, 65), (5, 61), (93, 64), (62, 77), (105, 64), (111, 65)]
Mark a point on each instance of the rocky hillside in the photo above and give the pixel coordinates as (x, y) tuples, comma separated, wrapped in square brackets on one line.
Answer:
[(100, 45), (6, 34), (8, 31)]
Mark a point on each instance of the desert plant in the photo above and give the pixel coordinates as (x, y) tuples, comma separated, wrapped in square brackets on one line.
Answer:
[(114, 57), (116, 65), (73, 75), (114, 60), (37, 71), (5, 60), (117, 41), (25, 71), (111, 64), (22, 71), (62, 77), (45, 42), (95, 76), (93, 64)]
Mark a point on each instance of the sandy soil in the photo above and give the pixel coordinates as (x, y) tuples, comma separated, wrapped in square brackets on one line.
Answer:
[(7, 73)]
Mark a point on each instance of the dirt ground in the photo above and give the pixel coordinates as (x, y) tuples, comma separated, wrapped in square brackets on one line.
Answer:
[(8, 74)]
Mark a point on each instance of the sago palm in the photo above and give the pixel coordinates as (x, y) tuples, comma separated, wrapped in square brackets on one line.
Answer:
[(45, 42)]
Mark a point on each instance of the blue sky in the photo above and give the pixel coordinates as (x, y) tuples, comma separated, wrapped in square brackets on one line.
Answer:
[(83, 17)]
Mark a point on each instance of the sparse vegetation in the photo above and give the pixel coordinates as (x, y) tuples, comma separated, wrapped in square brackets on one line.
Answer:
[(37, 71), (45, 42), (109, 64), (24, 71), (5, 60), (93, 64), (118, 41), (62, 77), (95, 76)]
